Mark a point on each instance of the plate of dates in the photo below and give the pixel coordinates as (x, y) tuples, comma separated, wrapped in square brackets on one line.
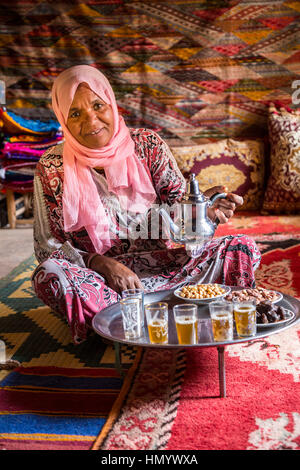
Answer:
[(268, 314)]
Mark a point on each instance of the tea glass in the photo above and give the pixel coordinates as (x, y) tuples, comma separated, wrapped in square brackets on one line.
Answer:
[(221, 320), (157, 320), (185, 316), (131, 316), (135, 294), (245, 318)]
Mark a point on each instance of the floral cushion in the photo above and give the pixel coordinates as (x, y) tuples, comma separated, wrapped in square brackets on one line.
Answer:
[(239, 165), (283, 187)]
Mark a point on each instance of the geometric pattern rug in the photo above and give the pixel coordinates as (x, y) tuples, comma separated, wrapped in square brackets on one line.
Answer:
[(192, 70), (71, 397), (61, 395)]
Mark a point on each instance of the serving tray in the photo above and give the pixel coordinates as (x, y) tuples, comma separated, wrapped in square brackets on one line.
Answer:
[(108, 323)]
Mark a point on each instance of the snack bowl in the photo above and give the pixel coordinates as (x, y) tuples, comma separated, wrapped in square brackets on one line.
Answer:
[(244, 295), (177, 292)]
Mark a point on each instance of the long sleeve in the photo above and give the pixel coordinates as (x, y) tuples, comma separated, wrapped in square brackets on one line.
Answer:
[(167, 179), (49, 238)]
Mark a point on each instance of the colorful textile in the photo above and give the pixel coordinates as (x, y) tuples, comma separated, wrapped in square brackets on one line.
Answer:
[(62, 393), (283, 188), (216, 64), (125, 174), (239, 165), (30, 139), (18, 160), (15, 173), (253, 224), (72, 405), (14, 124), (28, 150)]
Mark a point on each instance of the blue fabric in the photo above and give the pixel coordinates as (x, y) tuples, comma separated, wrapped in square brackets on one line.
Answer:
[(33, 423), (16, 380), (34, 125)]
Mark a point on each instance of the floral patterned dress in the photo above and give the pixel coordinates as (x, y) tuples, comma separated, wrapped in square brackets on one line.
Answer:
[(63, 279)]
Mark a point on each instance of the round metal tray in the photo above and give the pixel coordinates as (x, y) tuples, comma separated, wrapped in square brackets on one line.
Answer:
[(108, 323)]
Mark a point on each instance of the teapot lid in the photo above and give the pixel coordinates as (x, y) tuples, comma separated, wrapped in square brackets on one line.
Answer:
[(193, 193)]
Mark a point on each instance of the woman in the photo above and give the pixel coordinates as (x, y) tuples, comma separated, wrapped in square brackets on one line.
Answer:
[(92, 196)]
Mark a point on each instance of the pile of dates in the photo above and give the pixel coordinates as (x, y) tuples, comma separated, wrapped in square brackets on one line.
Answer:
[(266, 312)]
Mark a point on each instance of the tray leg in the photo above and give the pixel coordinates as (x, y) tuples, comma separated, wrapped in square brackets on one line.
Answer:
[(118, 358), (222, 374)]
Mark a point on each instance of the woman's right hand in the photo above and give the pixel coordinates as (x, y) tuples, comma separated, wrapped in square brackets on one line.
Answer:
[(118, 276)]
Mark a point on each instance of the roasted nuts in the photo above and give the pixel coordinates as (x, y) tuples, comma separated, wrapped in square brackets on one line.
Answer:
[(201, 291), (258, 295)]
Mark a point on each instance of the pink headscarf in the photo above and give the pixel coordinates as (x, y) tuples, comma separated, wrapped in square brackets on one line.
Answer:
[(125, 174)]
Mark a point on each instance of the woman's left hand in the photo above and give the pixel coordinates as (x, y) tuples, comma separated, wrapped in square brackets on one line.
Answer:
[(223, 209)]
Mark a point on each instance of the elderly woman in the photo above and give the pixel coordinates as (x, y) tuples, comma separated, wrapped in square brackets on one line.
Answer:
[(88, 193)]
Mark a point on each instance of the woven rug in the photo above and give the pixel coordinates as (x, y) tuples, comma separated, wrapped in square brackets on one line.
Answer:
[(252, 223), (172, 400), (61, 395)]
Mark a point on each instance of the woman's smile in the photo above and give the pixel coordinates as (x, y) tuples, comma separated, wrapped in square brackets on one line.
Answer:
[(94, 132)]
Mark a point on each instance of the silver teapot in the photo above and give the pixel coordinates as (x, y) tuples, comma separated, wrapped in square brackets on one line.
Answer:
[(191, 226)]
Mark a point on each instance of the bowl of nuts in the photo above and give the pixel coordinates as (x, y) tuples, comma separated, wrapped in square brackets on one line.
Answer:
[(259, 294), (201, 293)]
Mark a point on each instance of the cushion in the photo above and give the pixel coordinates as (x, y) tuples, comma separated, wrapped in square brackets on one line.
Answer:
[(239, 165), (283, 186)]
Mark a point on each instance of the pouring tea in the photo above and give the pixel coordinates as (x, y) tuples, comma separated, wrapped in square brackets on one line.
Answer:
[(191, 225)]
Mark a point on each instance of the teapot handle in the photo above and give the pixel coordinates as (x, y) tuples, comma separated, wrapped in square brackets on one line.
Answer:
[(213, 200)]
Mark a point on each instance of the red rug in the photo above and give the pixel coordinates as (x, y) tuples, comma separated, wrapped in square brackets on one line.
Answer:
[(252, 223), (171, 400), (261, 410)]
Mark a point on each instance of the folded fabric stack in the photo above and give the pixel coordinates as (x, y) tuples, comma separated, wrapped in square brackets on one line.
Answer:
[(23, 143), (13, 124), (27, 151)]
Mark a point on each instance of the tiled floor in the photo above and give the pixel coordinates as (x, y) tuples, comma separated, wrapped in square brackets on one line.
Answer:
[(15, 246)]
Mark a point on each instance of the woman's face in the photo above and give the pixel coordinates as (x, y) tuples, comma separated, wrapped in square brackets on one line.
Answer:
[(90, 119)]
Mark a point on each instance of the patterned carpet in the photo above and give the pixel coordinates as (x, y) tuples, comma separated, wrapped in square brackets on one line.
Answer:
[(191, 70), (61, 395)]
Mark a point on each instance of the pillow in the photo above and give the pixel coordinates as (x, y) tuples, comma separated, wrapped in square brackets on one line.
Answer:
[(283, 187), (239, 165)]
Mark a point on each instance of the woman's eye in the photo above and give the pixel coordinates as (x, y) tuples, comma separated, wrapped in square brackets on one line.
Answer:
[(75, 114), (98, 106)]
